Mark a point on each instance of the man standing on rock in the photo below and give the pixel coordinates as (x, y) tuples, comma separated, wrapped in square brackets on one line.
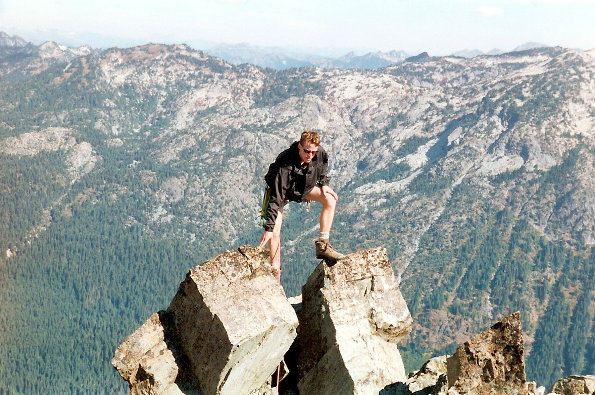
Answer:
[(299, 174)]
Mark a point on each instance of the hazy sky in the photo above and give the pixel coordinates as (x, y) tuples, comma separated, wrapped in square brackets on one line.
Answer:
[(439, 27)]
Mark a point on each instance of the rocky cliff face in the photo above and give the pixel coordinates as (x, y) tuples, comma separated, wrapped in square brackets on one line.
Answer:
[(491, 362), (352, 318)]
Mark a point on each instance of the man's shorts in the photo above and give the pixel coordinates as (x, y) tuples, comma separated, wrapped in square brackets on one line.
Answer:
[(265, 205)]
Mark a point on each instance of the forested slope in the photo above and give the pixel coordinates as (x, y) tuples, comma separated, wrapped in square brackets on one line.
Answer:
[(121, 169)]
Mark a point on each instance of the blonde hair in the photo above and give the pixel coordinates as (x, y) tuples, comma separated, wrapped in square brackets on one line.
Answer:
[(309, 136)]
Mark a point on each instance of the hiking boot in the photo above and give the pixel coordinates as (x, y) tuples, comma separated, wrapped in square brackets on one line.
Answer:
[(324, 250)]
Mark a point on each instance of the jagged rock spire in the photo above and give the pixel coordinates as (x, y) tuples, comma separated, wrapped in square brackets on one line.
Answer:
[(351, 319)]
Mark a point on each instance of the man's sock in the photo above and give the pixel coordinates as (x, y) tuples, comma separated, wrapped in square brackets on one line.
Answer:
[(323, 236)]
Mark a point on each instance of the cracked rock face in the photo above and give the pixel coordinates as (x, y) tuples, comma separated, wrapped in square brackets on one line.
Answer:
[(234, 321), (225, 331), (351, 319), (147, 361), (574, 385), (430, 379), (431, 375), (490, 362)]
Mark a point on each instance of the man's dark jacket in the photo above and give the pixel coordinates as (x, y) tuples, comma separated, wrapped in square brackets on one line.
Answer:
[(290, 182)]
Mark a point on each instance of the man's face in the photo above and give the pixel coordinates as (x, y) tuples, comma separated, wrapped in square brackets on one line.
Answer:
[(307, 152)]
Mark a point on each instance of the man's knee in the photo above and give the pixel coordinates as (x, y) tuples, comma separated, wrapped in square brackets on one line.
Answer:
[(328, 200)]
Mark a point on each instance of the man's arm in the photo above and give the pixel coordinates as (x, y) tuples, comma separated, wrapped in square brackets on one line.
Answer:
[(323, 179)]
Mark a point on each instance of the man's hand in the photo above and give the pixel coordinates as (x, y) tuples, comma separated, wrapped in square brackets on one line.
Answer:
[(266, 237), (329, 190)]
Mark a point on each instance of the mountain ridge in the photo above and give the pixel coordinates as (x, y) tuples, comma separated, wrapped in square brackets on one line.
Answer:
[(475, 173), (279, 58)]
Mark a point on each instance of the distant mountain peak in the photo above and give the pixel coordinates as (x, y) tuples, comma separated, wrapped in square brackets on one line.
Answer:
[(471, 53), (51, 49), (280, 59), (419, 58), (8, 41), (468, 53), (529, 45)]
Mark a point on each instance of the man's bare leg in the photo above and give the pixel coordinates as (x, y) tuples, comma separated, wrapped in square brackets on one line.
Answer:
[(329, 203), (275, 245), (328, 198)]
